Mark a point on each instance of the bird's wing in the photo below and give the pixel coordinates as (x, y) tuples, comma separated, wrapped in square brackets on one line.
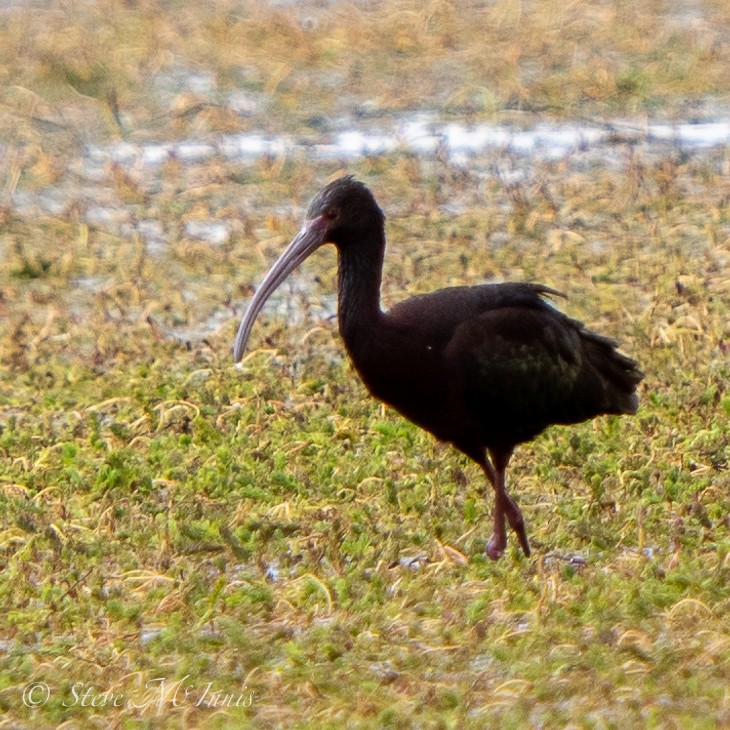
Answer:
[(522, 365), (437, 315), (496, 364), (500, 348)]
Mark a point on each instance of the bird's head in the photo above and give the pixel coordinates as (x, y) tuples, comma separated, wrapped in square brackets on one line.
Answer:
[(341, 210), (341, 213)]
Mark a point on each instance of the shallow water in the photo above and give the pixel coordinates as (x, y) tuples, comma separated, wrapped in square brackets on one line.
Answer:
[(420, 134), (88, 190), (577, 144)]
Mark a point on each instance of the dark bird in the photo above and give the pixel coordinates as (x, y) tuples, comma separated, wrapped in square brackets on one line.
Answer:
[(483, 367)]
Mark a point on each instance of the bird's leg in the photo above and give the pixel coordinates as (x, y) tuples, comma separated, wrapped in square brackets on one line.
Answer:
[(498, 541), (504, 506), (517, 523)]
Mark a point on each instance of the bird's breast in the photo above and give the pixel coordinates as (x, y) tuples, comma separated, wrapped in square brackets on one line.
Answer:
[(408, 373)]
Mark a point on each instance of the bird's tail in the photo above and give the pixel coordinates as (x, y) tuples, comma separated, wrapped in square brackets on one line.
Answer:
[(619, 373)]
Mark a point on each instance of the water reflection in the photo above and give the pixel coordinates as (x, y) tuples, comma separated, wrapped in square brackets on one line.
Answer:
[(577, 144), (420, 135)]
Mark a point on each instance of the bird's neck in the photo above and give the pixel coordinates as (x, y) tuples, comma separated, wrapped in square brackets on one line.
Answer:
[(360, 272)]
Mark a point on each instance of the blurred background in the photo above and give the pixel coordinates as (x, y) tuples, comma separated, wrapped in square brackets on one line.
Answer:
[(106, 106), (175, 124)]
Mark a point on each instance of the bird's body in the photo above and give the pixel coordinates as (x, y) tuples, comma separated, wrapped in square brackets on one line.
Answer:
[(484, 367), (492, 365)]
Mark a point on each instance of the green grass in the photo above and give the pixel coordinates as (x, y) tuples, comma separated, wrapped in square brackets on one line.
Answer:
[(172, 528)]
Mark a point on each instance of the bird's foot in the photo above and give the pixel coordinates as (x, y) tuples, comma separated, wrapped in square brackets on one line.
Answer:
[(498, 541), (495, 546), (517, 523)]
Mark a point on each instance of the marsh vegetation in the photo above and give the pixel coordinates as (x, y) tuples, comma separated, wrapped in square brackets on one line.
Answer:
[(273, 532)]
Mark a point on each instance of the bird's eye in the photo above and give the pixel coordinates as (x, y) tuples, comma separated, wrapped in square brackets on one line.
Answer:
[(330, 214)]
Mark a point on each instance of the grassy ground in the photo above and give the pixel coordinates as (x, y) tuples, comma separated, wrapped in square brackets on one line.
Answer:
[(185, 544)]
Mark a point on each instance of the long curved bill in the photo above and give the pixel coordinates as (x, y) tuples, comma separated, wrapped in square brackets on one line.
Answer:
[(308, 240)]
